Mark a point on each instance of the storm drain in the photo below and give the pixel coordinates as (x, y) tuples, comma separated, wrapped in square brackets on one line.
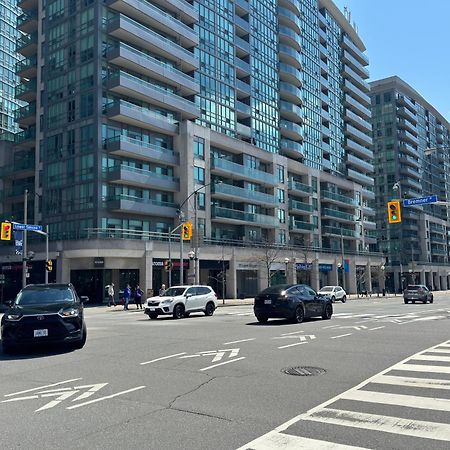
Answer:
[(303, 371)]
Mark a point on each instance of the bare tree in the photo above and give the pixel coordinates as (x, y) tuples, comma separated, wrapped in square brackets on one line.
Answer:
[(268, 254), (305, 255)]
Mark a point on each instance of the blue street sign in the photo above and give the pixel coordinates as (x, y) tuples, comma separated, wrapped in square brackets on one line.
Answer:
[(18, 242), (28, 227), (420, 201)]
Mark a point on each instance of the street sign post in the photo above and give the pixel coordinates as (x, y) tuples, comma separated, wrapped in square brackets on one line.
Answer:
[(27, 227), (420, 200)]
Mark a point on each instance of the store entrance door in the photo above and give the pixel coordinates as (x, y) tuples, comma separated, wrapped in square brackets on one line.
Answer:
[(91, 283)]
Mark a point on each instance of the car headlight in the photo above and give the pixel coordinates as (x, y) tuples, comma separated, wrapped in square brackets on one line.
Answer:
[(13, 316), (167, 302), (69, 312)]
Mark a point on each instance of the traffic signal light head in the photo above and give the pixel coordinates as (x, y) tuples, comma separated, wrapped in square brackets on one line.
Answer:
[(186, 231), (167, 265), (394, 212), (49, 265), (6, 232)]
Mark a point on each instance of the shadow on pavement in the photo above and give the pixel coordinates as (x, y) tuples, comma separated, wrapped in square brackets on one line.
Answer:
[(33, 352)]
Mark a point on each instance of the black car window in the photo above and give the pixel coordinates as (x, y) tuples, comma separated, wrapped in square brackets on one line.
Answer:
[(310, 291), (44, 295), (203, 291), (293, 291), (302, 290), (276, 289)]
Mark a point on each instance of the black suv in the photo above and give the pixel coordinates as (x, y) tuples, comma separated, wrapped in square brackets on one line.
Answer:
[(44, 313), (291, 301)]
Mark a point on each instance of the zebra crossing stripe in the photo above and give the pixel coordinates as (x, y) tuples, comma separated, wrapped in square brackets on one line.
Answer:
[(421, 368), (413, 382), (406, 427), (438, 350), (432, 358)]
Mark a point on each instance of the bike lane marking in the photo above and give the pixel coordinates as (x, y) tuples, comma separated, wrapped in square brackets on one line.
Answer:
[(160, 359)]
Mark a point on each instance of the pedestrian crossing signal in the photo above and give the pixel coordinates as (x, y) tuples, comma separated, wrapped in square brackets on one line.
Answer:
[(394, 212), (186, 231), (49, 265), (167, 265), (6, 232)]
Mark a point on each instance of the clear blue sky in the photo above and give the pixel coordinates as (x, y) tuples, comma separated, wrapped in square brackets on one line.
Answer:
[(410, 39)]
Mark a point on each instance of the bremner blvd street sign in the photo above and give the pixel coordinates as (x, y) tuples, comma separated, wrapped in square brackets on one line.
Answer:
[(420, 200)]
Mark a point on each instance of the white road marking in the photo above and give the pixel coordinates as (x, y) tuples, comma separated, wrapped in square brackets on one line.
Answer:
[(421, 368), (160, 359), (438, 350), (42, 387), (105, 398), (354, 327), (422, 319), (222, 363), (405, 427), (293, 332), (430, 383), (302, 338), (377, 328), (242, 340), (342, 335), (432, 358), (218, 354), (93, 389), (57, 401), (292, 345), (330, 326)]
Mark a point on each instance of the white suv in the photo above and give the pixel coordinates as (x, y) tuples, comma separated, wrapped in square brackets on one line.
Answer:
[(180, 301), (334, 292)]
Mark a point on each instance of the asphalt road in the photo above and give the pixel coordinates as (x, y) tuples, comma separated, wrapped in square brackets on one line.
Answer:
[(217, 382)]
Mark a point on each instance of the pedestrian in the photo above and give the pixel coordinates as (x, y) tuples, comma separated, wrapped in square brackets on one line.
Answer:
[(126, 296), (138, 293), (162, 290), (110, 288)]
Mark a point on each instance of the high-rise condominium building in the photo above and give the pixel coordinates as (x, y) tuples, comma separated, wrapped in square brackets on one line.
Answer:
[(251, 118), (411, 142)]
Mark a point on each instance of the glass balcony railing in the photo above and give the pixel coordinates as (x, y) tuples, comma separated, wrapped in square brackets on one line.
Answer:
[(25, 111), (295, 204), (137, 171), (247, 172), (338, 197), (23, 88), (243, 194), (298, 186), (25, 40), (140, 143), (300, 225), (226, 213), (140, 200), (26, 63), (337, 214), (25, 135), (338, 231)]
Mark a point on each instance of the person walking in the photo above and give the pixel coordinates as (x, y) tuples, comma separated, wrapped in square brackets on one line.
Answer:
[(138, 297), (162, 290), (126, 296), (110, 288)]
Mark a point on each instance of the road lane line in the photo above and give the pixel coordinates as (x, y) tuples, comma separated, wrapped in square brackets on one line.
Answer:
[(397, 425), (429, 383), (421, 368), (377, 328), (160, 359), (105, 398), (222, 363), (292, 345), (341, 335), (330, 326), (242, 340), (432, 358), (294, 332), (43, 387)]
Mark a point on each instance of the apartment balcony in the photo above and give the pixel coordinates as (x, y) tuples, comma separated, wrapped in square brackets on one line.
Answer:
[(356, 93), (290, 74), (243, 89), (243, 130), (324, 83), (289, 19), (355, 65), (356, 135), (28, 22), (243, 111), (180, 8), (406, 102), (290, 111), (15, 193), (242, 7), (26, 92), (291, 130), (126, 29), (409, 161), (236, 193), (22, 168), (407, 137), (356, 79), (408, 149), (339, 199), (299, 188), (26, 115), (439, 139), (136, 149), (326, 148), (338, 231), (242, 25), (360, 178), (28, 5), (290, 37), (407, 114), (128, 204), (226, 168), (290, 55), (292, 5), (325, 131), (350, 102), (131, 176), (408, 171), (323, 68), (292, 149), (437, 239), (355, 51), (131, 114), (407, 125), (328, 213), (242, 67), (242, 47), (234, 216), (359, 164), (26, 45), (130, 86), (129, 58), (324, 99), (357, 121), (368, 194), (299, 207), (358, 149), (299, 226), (27, 68), (26, 138), (412, 182), (290, 93)]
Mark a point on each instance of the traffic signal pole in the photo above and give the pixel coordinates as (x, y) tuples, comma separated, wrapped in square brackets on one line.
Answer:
[(46, 254), (25, 249), (170, 257)]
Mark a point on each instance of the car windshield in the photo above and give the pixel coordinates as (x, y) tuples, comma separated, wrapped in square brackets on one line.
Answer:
[(276, 289), (173, 292), (43, 296), (327, 289), (415, 287)]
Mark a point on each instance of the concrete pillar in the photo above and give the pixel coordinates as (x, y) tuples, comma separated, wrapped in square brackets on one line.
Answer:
[(62, 268), (232, 279), (436, 280), (333, 276), (368, 277), (263, 280), (146, 270), (397, 282), (350, 277), (422, 277), (315, 278), (444, 285)]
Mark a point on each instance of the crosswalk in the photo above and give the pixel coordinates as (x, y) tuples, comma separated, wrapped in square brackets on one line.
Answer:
[(404, 406)]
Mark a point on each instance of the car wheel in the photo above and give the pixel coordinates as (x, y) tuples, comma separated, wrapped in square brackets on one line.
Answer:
[(299, 315), (431, 300), (344, 299), (327, 312), (262, 319), (333, 298), (178, 311), (209, 310), (80, 344), (152, 316)]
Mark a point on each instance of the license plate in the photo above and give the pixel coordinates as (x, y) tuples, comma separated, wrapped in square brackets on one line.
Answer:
[(151, 309), (268, 301), (40, 333)]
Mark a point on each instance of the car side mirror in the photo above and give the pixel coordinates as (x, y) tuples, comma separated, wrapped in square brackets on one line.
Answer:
[(9, 303), (84, 299), (188, 295)]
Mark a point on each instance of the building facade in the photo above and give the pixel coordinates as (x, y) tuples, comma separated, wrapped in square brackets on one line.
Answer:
[(251, 118), (411, 142)]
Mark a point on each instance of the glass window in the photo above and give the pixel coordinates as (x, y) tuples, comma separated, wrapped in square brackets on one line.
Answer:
[(280, 172), (199, 175), (281, 195), (199, 147)]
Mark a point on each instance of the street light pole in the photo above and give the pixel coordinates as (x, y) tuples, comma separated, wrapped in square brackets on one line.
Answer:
[(46, 254), (343, 264), (25, 249), (398, 187)]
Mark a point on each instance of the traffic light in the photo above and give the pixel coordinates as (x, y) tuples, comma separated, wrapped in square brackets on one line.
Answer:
[(6, 231), (394, 212), (49, 265), (186, 231), (167, 265)]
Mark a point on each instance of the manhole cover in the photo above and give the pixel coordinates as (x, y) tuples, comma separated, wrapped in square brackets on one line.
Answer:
[(303, 371)]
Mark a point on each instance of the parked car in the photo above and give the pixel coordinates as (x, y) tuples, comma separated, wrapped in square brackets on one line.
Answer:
[(418, 292), (180, 301), (291, 301), (334, 292), (44, 313)]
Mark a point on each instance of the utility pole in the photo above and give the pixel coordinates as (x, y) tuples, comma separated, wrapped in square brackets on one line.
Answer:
[(170, 257), (343, 264), (196, 265), (25, 250), (46, 254)]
